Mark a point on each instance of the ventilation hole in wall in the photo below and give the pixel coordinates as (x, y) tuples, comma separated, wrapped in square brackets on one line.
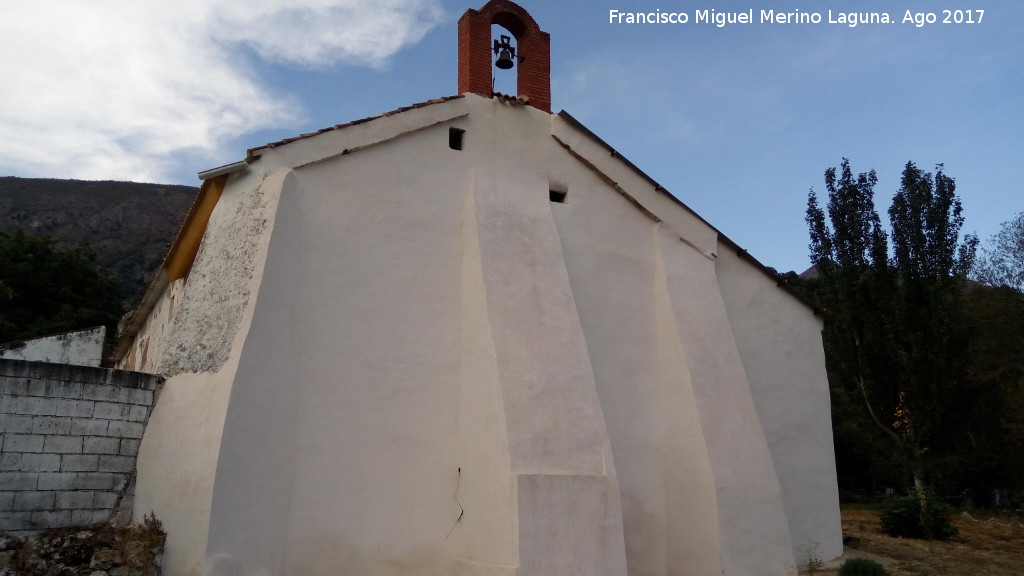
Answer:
[(557, 196), (455, 138)]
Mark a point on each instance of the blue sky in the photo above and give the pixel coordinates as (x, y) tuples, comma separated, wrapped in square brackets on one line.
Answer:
[(738, 121)]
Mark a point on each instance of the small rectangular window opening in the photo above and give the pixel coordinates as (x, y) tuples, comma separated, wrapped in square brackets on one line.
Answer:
[(455, 138), (557, 196)]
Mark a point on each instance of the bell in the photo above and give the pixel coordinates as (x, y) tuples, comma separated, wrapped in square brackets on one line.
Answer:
[(504, 59)]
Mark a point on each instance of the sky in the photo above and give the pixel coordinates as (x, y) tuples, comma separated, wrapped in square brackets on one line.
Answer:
[(738, 121)]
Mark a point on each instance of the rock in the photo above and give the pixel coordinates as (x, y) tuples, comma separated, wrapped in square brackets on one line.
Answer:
[(10, 542), (105, 559), (136, 554), (99, 550), (966, 516)]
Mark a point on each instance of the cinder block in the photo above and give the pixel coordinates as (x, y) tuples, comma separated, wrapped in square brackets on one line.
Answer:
[(15, 424), (51, 425), (87, 517), (81, 517), (101, 516), (120, 481), (23, 443), (111, 411), (74, 500), (101, 445), (63, 444), (116, 464), (16, 386), (51, 518), (138, 396), (104, 500), (125, 429), (130, 447), (34, 500), (58, 481), (79, 463), (40, 462), (95, 481), (75, 408), (89, 427), (13, 521), (99, 392), (33, 406), (37, 387), (18, 481), (6, 501), (70, 390), (10, 461), (62, 389), (138, 413)]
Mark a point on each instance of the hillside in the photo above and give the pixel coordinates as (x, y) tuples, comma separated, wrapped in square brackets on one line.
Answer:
[(128, 224)]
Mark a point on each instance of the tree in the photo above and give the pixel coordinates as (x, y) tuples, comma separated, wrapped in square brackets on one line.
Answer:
[(44, 290), (991, 452), (1002, 258), (894, 336)]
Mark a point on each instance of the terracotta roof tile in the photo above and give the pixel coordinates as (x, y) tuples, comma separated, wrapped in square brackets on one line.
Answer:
[(252, 152)]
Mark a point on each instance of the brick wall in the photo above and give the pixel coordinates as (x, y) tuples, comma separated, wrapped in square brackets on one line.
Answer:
[(69, 436), (533, 72)]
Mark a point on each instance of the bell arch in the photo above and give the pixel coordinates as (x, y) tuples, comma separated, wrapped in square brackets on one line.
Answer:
[(533, 74)]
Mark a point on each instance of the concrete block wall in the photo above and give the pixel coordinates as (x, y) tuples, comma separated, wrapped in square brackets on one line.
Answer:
[(69, 436)]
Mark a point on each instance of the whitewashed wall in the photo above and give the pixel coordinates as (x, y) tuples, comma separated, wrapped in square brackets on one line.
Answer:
[(430, 368)]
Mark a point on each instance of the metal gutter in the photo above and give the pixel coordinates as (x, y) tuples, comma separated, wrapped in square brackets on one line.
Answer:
[(222, 170)]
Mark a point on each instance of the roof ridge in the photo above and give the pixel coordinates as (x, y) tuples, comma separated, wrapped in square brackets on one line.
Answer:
[(251, 153)]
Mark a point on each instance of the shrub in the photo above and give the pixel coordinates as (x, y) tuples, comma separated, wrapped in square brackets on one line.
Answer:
[(862, 567), (902, 518)]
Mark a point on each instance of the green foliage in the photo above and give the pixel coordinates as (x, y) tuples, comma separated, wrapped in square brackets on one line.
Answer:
[(902, 518), (862, 567), (44, 290), (990, 449), (894, 338), (1002, 261)]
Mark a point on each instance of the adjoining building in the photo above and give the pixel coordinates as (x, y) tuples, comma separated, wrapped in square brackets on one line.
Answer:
[(469, 337)]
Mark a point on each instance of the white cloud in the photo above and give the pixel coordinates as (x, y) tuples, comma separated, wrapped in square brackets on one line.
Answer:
[(112, 89)]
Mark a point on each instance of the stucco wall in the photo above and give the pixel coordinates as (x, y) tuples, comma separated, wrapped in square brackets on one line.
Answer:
[(150, 341), (179, 454), (431, 368), (81, 348), (217, 292), (779, 341), (661, 456), (69, 439)]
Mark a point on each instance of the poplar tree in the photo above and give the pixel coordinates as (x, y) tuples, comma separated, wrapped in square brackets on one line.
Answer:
[(894, 336)]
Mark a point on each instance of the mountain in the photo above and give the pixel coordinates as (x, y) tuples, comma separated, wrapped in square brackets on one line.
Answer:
[(129, 225)]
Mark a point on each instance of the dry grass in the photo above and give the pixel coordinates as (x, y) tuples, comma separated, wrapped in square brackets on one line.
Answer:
[(987, 545)]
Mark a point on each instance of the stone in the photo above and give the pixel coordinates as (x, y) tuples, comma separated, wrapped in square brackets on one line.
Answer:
[(105, 558)]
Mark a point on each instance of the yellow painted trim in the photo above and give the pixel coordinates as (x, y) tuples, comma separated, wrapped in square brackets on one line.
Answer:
[(183, 253)]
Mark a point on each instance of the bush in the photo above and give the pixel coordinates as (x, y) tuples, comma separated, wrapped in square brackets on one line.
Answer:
[(862, 567), (902, 517)]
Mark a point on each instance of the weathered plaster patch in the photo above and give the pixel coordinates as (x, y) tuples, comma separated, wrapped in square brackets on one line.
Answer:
[(218, 287)]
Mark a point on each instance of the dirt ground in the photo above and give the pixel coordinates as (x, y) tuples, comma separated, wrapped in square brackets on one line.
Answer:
[(987, 544)]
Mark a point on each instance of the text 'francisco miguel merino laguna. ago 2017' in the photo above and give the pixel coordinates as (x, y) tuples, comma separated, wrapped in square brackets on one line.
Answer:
[(851, 19)]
